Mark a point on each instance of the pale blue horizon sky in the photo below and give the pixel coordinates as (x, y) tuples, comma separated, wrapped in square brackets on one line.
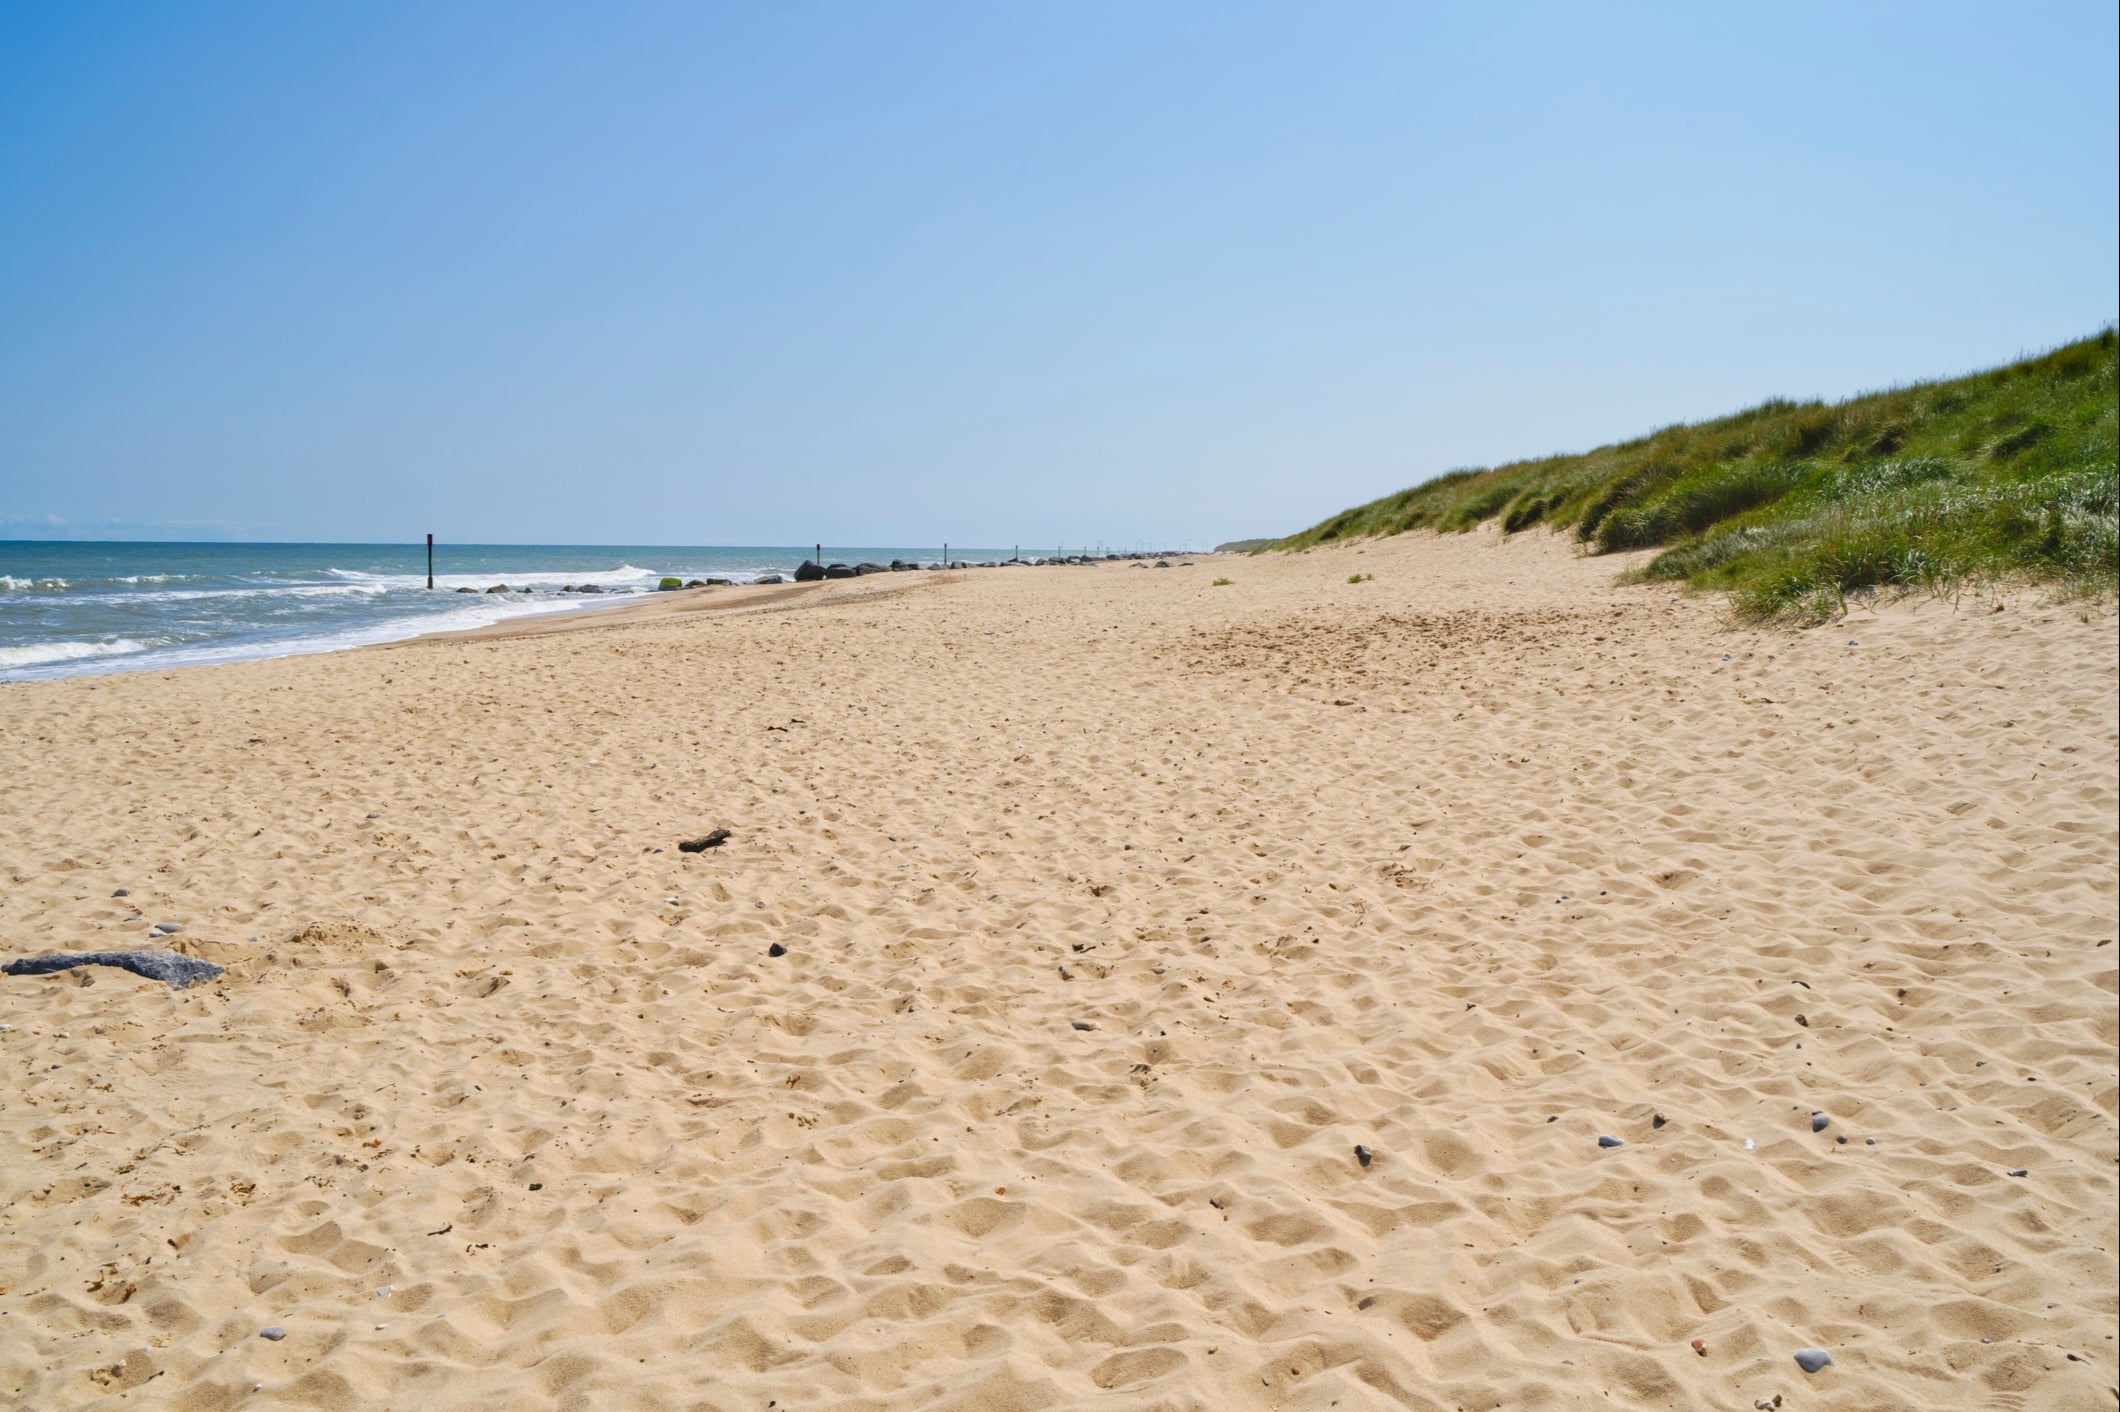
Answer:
[(992, 274)]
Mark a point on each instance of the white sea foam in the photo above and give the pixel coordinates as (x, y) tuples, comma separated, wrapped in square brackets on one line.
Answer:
[(36, 654), (619, 577), (9, 582)]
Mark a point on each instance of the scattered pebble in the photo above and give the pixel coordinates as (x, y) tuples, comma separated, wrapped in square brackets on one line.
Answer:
[(1363, 1155), (537, 1186), (122, 892), (168, 928), (1605, 1141), (776, 949), (1750, 1145), (1819, 1122), (1700, 1346), (1083, 1024), (375, 816), (1658, 1121), (1812, 1359), (1842, 1139), (2020, 1171), (1869, 1142), (275, 1333)]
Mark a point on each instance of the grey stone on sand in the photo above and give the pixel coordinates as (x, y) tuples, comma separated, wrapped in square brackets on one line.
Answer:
[(122, 892), (2020, 1171), (776, 949), (168, 928), (1812, 1359), (168, 967), (1819, 1122), (1605, 1141), (1363, 1155), (275, 1333)]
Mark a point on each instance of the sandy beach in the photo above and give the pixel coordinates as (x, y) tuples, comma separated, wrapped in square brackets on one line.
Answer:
[(1116, 991)]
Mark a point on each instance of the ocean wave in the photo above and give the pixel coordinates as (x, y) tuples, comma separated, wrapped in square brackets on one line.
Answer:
[(9, 582), (532, 578), (37, 654)]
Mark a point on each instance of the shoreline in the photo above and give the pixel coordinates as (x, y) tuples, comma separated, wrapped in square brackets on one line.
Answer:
[(1111, 986)]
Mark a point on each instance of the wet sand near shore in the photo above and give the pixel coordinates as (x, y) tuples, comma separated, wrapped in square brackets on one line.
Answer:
[(1115, 910)]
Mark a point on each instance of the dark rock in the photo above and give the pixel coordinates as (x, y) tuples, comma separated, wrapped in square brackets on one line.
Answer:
[(808, 572), (590, 588), (2020, 1171), (1083, 1024), (769, 578), (716, 583), (275, 1333), (1812, 1359), (1604, 1141), (1658, 1121), (862, 569), (498, 588), (467, 590), (1819, 1122), (776, 949), (122, 892), (667, 583), (171, 969), (838, 571), (703, 583), (1162, 563), (1363, 1155), (701, 845)]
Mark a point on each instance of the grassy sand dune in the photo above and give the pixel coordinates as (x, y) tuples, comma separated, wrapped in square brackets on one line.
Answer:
[(2007, 474), (512, 1104)]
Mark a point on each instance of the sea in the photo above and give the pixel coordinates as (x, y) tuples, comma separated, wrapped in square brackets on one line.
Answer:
[(69, 608)]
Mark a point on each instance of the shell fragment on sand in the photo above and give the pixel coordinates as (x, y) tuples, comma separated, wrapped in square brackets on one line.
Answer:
[(167, 966)]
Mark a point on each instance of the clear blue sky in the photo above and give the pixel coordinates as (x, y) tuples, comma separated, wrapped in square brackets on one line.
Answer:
[(894, 273)]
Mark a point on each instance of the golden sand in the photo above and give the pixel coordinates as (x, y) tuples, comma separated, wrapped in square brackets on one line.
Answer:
[(1119, 909)]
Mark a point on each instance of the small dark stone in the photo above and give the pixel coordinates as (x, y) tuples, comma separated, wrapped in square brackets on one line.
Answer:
[(1365, 1301), (1869, 1142), (467, 590), (1083, 1024), (1812, 1359), (1604, 1141), (808, 572), (768, 578), (275, 1333), (171, 969), (2020, 1171), (1819, 1122), (1842, 1139), (701, 845), (1802, 1021), (776, 949), (1657, 1121), (537, 1186), (498, 588), (122, 892), (838, 571), (1363, 1155)]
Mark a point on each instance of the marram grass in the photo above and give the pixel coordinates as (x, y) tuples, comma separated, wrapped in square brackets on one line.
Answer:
[(1791, 507)]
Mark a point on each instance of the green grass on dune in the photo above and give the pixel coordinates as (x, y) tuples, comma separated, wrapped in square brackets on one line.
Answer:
[(1792, 506)]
